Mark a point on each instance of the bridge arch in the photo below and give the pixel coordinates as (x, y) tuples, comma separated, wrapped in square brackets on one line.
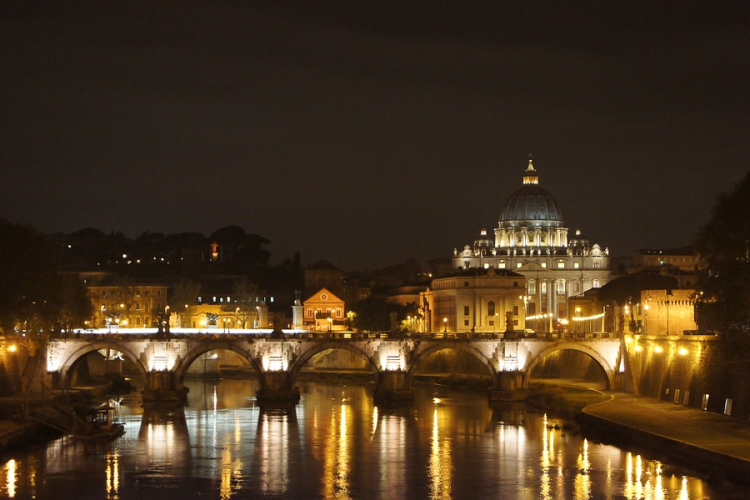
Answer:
[(459, 346), (299, 363), (570, 346), (197, 349), (66, 368)]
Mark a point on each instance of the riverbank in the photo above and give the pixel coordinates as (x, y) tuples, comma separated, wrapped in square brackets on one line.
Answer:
[(716, 445)]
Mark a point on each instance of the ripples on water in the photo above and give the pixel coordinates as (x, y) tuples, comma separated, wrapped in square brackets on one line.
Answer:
[(336, 444)]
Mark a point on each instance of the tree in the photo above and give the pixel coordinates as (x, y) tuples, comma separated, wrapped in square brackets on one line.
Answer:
[(183, 295), (28, 278), (723, 245), (245, 294)]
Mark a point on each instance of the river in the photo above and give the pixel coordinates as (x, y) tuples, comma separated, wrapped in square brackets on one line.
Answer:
[(336, 444)]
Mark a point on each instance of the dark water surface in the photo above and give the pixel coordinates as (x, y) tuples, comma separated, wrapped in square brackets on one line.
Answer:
[(336, 444)]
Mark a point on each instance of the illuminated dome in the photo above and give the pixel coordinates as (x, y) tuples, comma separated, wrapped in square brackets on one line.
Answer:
[(531, 205)]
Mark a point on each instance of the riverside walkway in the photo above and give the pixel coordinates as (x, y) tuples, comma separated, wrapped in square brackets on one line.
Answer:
[(713, 443)]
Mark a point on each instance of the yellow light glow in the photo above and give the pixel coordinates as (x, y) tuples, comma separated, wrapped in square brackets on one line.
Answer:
[(658, 348), (12, 348), (683, 351), (638, 348)]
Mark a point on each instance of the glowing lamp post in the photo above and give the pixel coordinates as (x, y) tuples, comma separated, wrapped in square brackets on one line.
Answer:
[(445, 325)]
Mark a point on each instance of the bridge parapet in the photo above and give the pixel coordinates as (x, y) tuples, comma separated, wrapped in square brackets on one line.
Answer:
[(163, 362)]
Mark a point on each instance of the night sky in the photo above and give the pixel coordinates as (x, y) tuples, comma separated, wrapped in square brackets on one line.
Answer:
[(370, 132)]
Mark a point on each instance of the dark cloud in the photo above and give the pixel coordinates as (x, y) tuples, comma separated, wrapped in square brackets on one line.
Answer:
[(370, 132)]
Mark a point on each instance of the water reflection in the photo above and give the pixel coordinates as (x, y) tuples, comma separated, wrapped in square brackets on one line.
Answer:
[(336, 455), (276, 434), (336, 444), (10, 478)]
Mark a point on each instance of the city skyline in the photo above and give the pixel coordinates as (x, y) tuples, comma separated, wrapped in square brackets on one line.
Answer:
[(366, 135)]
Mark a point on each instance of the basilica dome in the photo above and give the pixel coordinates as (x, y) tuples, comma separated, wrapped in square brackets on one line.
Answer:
[(531, 205)]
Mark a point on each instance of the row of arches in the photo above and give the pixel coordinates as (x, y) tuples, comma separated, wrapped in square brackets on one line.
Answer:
[(598, 366)]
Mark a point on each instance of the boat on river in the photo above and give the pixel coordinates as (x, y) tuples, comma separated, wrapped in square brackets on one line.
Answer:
[(99, 425)]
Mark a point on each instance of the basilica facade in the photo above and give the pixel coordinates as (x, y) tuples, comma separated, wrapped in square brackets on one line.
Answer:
[(531, 239)]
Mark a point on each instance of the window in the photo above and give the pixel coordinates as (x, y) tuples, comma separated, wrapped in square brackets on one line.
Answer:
[(501, 264), (544, 265), (515, 322), (518, 264), (491, 308), (486, 265), (515, 310), (466, 322), (560, 264), (596, 284), (466, 284), (466, 310), (544, 287), (532, 287), (576, 265), (561, 287), (596, 263)]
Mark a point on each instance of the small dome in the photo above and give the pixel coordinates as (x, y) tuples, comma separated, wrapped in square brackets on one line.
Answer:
[(483, 240), (579, 240), (531, 205)]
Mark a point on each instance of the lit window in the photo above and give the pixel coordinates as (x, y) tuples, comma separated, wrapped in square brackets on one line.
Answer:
[(561, 265), (544, 287), (518, 264), (576, 265), (596, 284), (561, 287), (544, 265), (532, 287), (466, 310), (501, 264)]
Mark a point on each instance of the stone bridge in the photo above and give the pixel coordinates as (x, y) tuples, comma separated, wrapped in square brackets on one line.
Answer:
[(163, 362)]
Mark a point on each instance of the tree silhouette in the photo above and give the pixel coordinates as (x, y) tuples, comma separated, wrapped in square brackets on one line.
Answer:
[(723, 245)]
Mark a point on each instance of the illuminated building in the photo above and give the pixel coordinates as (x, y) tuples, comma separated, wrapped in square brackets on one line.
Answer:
[(532, 240), (324, 311), (475, 300), (122, 303), (668, 312)]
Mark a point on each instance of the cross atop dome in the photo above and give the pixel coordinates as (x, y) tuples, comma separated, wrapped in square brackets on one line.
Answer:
[(531, 177)]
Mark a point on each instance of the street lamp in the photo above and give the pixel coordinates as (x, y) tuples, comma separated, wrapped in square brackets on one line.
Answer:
[(445, 325)]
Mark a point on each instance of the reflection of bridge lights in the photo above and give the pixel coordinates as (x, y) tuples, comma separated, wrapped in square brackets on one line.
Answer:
[(10, 478)]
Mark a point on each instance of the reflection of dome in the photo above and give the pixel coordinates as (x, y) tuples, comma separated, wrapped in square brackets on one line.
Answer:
[(531, 205)]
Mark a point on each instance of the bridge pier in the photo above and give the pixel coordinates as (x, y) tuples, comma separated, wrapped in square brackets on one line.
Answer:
[(277, 387), (161, 388), (508, 386), (394, 386)]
